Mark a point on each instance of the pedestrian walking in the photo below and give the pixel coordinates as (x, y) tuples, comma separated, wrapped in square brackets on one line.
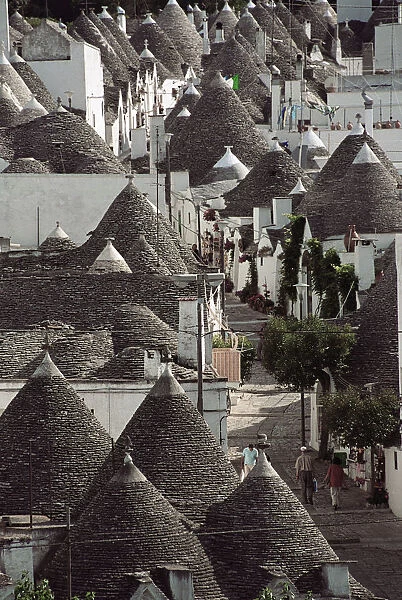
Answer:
[(305, 474), (335, 477), (250, 455)]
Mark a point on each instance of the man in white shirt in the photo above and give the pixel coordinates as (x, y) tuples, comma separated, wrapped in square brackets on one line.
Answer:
[(250, 455), (304, 474)]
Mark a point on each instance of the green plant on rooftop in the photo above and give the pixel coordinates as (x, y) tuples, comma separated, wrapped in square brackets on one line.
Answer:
[(26, 589), (292, 248), (331, 280), (285, 594)]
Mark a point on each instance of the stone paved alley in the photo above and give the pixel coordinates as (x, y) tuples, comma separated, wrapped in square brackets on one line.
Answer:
[(370, 538)]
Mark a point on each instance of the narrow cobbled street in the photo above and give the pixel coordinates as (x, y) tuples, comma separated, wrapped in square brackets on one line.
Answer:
[(370, 538)]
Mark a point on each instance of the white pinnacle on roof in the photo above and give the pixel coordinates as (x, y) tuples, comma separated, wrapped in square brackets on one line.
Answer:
[(226, 7), (146, 53), (104, 14), (190, 74), (3, 57), (174, 2), (357, 129), (47, 368), (365, 155), (250, 4), (33, 104), (228, 159), (58, 233), (148, 19), (311, 140), (184, 112), (191, 89), (120, 10), (245, 13), (298, 189), (276, 147), (14, 56), (327, 14), (110, 261)]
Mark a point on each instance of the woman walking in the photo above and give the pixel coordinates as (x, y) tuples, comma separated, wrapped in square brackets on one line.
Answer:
[(335, 477)]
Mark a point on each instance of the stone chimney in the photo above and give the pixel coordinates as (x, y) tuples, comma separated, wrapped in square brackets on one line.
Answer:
[(307, 29), (368, 113), (335, 577), (219, 33), (262, 217), (178, 580), (121, 19), (368, 58), (188, 332), (281, 207), (261, 43), (364, 263), (206, 48)]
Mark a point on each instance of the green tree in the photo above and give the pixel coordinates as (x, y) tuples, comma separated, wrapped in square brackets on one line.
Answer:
[(285, 594), (358, 418), (298, 352)]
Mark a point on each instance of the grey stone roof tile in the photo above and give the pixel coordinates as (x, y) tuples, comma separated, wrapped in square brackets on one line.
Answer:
[(123, 41), (273, 529), (35, 84), (220, 111), (160, 45), (68, 445), (128, 527), (174, 22), (227, 19), (37, 139), (275, 174), (178, 454), (374, 205)]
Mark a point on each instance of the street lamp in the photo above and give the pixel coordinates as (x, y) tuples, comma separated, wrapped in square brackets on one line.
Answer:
[(301, 287), (168, 176), (214, 280)]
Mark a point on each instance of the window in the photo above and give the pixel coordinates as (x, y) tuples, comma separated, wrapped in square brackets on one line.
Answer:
[(395, 460), (189, 218)]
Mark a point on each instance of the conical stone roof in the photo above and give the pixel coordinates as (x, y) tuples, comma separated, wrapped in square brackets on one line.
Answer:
[(322, 194), (143, 257), (234, 58), (9, 76), (109, 261), (148, 61), (188, 100), (57, 240), (293, 25), (218, 119), (366, 195), (91, 34), (121, 38), (273, 529), (275, 175), (174, 22), (175, 449), (33, 81), (159, 44), (374, 358), (315, 12), (137, 326), (67, 446), (129, 527), (40, 139), (26, 165), (31, 110), (228, 20), (110, 38), (17, 21), (9, 111), (131, 213)]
